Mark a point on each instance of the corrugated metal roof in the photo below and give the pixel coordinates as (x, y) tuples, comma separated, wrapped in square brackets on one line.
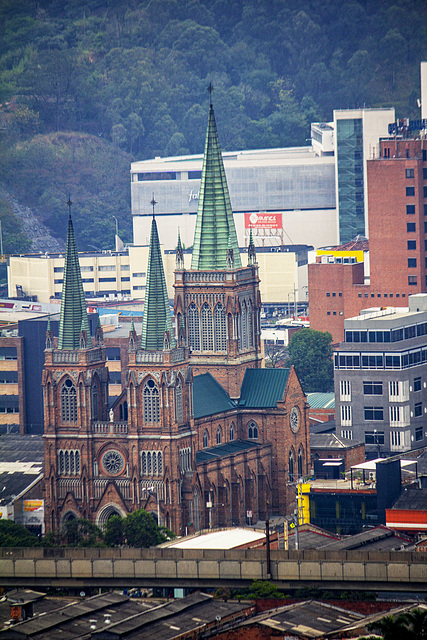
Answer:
[(209, 397), (262, 388), (321, 400), (227, 449), (223, 539)]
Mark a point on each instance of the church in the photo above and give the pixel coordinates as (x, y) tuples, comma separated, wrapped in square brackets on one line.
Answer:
[(203, 435)]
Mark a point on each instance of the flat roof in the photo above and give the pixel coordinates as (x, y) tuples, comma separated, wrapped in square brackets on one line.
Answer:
[(223, 539), (370, 465)]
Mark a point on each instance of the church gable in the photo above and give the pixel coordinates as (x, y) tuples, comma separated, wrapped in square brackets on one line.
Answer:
[(209, 397), (263, 388)]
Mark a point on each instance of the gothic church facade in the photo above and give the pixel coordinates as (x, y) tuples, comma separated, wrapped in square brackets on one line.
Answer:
[(202, 435)]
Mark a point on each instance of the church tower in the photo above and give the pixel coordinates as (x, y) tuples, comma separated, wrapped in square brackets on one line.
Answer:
[(75, 386), (217, 302), (159, 391)]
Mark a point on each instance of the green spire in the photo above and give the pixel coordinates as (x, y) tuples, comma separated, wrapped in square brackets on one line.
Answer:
[(157, 318), (215, 222), (73, 317), (251, 250)]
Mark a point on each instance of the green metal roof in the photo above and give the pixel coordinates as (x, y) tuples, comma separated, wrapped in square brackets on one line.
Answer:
[(209, 397), (321, 400), (157, 317), (226, 449), (215, 222), (73, 318), (263, 388)]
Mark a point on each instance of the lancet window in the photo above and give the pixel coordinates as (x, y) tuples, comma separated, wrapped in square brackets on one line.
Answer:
[(179, 409), (68, 402), (151, 463), (252, 431), (300, 464), (207, 328), (220, 330), (68, 462), (151, 403), (291, 467), (193, 327)]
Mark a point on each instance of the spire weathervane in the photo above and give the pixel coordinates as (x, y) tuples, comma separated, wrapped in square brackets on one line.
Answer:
[(153, 204), (69, 203), (210, 89)]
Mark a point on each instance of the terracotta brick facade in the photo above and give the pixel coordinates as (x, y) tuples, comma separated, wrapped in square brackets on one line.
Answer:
[(397, 196)]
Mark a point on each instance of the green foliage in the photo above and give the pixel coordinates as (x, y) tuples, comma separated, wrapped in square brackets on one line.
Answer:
[(80, 532), (16, 535), (259, 589), (137, 529), (310, 352), (404, 626), (15, 239), (135, 75)]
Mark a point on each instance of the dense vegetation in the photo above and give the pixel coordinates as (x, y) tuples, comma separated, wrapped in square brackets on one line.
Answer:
[(87, 86), (310, 352)]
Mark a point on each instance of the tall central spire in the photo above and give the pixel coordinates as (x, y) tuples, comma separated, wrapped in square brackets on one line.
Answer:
[(73, 319), (156, 321), (215, 222)]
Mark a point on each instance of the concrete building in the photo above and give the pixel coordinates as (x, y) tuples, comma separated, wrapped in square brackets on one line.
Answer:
[(286, 196), (381, 378), (397, 195)]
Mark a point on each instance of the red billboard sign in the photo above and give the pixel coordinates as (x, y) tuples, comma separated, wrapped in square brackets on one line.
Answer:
[(263, 220)]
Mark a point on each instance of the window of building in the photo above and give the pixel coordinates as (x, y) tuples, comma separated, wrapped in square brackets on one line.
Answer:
[(372, 388), (86, 280), (231, 431), (139, 288), (346, 418), (58, 281), (207, 328), (291, 467), (346, 433), (425, 227), (418, 433), (412, 263), (418, 409), (179, 408), (193, 327), (334, 313), (374, 437), (68, 462), (372, 361), (252, 431), (95, 403), (152, 463), (151, 402), (194, 175), (86, 268), (345, 390), (125, 267), (410, 227), (107, 279), (218, 435), (394, 388), (205, 440), (107, 267), (395, 438), (125, 279), (395, 414), (425, 192), (425, 209), (373, 413), (417, 384), (410, 209), (68, 402), (140, 274), (328, 294), (156, 175), (334, 294), (58, 269), (410, 191), (300, 464), (409, 173), (412, 245), (412, 280), (220, 329), (424, 173)]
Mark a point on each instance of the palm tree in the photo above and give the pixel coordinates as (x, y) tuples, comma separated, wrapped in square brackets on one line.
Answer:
[(417, 618), (392, 628)]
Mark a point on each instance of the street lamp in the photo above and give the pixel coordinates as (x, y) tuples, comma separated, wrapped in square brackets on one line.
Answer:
[(377, 443), (153, 490)]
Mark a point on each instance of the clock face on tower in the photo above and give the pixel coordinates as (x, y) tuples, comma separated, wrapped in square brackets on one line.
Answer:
[(113, 462), (294, 419)]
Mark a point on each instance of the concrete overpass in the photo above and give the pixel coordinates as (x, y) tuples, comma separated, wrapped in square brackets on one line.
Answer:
[(117, 568)]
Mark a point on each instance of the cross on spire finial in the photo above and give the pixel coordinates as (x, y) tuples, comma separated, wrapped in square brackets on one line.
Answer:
[(153, 204), (69, 203), (210, 89)]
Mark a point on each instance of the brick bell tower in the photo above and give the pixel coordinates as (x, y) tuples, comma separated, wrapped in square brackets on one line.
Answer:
[(217, 302), (161, 423), (75, 387)]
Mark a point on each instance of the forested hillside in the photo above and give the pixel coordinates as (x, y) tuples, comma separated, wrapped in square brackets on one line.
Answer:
[(88, 86)]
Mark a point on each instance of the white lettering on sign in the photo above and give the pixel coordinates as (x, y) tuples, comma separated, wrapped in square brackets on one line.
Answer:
[(193, 195)]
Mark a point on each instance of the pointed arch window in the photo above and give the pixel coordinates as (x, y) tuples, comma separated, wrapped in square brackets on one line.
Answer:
[(231, 431), (207, 328), (68, 402), (252, 430), (244, 326), (205, 440), (179, 409), (218, 435), (251, 337), (291, 467), (220, 328), (95, 404), (151, 402), (194, 327), (300, 464)]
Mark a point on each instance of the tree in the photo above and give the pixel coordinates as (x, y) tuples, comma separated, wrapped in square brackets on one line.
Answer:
[(417, 618), (141, 530), (392, 627), (80, 532), (310, 352), (113, 531), (16, 535)]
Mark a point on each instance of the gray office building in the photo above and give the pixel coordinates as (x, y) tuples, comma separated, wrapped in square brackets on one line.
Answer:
[(381, 379)]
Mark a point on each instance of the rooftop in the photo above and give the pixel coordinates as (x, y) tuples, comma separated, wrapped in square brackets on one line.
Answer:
[(263, 388)]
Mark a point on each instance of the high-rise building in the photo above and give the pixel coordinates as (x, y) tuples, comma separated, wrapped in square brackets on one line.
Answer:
[(356, 137), (194, 453)]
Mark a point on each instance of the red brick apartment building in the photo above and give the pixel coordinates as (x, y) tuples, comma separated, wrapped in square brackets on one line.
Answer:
[(397, 196)]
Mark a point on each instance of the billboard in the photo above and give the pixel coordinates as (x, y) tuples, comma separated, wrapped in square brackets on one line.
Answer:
[(263, 220)]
